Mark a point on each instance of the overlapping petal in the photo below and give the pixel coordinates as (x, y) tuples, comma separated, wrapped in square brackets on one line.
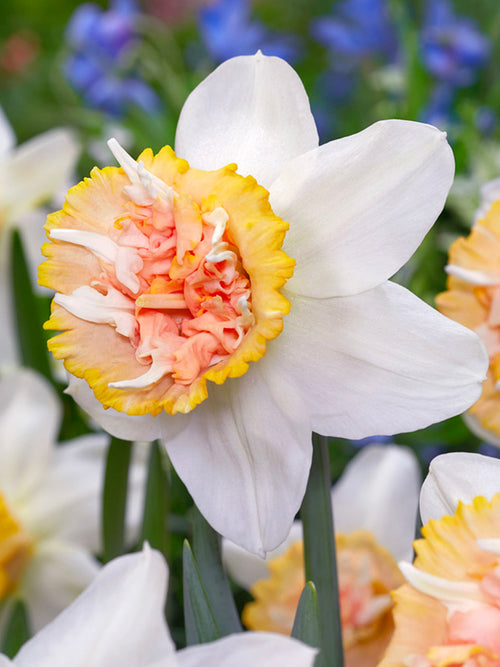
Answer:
[(355, 220), (381, 348), (378, 492), (245, 456), (454, 477), (253, 110), (118, 620)]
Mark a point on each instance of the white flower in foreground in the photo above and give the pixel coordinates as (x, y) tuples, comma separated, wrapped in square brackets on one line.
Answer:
[(50, 498), (449, 612), (375, 509), (169, 276), (30, 175), (119, 620)]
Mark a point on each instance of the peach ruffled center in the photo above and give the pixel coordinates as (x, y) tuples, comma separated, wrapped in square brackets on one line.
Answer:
[(181, 267)]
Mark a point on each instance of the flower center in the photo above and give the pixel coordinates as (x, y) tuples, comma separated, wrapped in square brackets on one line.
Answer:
[(367, 573), (185, 266), (15, 550)]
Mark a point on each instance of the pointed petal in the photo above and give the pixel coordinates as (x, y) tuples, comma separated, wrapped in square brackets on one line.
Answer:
[(455, 477), (37, 169), (30, 415), (118, 620), (378, 363), (68, 501), (246, 568), (245, 456), (378, 492), (57, 573), (358, 207), (253, 110), (248, 649), (7, 136), (119, 424)]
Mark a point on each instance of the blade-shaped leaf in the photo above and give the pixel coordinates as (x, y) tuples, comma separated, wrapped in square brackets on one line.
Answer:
[(207, 552), (199, 619), (114, 501), (306, 622), (154, 522), (31, 340), (17, 630), (320, 554)]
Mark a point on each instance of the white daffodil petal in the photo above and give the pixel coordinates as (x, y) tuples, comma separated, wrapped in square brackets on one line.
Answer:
[(446, 590), (56, 574), (245, 454), (118, 620), (358, 207), (248, 649), (454, 477), (126, 427), (9, 343), (382, 482), (246, 568), (30, 415), (7, 136), (68, 501), (252, 110), (5, 662), (37, 169), (381, 362)]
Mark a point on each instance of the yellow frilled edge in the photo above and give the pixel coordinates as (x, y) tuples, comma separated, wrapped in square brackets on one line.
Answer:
[(96, 352)]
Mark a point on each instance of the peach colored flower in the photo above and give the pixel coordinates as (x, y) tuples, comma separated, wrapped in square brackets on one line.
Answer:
[(449, 614)]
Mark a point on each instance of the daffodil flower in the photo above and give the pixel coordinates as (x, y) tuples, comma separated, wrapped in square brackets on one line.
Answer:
[(449, 612), (375, 508), (119, 620), (30, 175), (182, 320), (49, 502)]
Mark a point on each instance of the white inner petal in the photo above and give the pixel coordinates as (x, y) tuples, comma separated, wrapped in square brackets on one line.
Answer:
[(473, 277), (491, 544), (439, 588), (112, 308), (100, 245)]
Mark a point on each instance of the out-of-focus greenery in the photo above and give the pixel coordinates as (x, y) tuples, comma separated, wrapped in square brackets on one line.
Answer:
[(171, 57)]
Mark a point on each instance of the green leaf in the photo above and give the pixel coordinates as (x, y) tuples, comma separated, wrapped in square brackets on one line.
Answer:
[(31, 340), (320, 555), (17, 630), (199, 619), (114, 501), (154, 526), (207, 552), (306, 622)]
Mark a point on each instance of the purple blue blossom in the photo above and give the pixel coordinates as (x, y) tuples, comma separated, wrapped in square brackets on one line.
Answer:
[(227, 30), (452, 47), (102, 43), (358, 29)]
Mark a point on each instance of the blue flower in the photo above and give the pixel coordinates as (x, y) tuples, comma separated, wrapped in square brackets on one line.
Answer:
[(452, 47), (101, 44), (358, 29), (439, 110), (228, 31)]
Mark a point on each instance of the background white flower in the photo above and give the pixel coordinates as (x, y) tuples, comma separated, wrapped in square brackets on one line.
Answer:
[(53, 493)]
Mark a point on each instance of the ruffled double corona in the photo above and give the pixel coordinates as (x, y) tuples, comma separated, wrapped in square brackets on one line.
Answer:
[(166, 277)]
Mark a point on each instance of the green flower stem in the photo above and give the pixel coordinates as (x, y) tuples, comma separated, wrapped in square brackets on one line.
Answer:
[(115, 498), (319, 553)]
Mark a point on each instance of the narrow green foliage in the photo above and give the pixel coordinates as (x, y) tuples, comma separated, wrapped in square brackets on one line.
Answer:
[(17, 630), (114, 502), (154, 520), (306, 622), (207, 552), (320, 555), (199, 619), (31, 340)]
